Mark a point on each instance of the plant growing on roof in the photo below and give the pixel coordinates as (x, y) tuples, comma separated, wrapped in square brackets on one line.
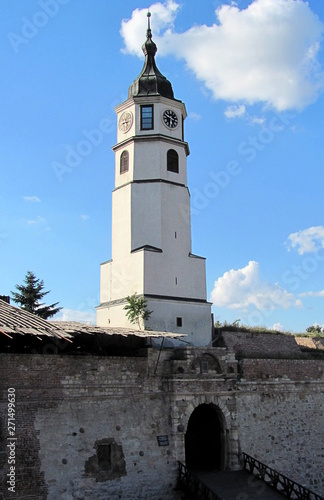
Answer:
[(136, 310)]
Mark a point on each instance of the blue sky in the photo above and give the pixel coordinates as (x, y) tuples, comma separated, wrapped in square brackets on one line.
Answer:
[(251, 76)]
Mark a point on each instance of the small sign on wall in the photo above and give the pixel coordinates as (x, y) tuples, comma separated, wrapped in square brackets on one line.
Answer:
[(163, 440)]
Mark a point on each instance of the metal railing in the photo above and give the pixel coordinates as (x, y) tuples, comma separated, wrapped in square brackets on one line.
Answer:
[(281, 483), (193, 486)]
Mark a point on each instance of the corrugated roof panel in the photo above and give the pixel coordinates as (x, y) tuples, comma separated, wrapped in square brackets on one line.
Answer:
[(15, 321)]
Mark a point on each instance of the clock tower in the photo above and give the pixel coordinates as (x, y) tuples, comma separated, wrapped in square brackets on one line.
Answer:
[(151, 229)]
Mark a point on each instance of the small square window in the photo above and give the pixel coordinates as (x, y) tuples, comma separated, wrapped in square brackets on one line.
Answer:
[(179, 322), (146, 117)]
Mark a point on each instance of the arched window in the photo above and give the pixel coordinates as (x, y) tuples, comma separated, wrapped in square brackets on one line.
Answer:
[(173, 161), (124, 162)]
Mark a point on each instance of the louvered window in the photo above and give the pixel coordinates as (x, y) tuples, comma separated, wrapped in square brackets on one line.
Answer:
[(124, 162)]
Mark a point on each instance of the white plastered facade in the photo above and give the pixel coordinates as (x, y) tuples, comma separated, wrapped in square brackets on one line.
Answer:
[(151, 230)]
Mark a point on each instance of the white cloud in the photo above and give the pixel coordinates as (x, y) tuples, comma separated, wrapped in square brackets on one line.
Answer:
[(240, 111), (74, 315), (38, 220), (307, 241), (242, 288), (85, 217), (236, 111), (312, 294), (195, 117), (264, 53), (133, 30), (32, 199), (257, 120), (278, 327)]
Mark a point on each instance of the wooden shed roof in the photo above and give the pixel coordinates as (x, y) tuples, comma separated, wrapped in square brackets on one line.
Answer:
[(15, 321)]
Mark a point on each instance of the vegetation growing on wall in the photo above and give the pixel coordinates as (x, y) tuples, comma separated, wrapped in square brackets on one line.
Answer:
[(236, 326), (315, 331), (136, 310)]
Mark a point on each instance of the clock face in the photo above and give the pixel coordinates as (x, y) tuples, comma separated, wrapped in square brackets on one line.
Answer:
[(125, 121), (170, 119)]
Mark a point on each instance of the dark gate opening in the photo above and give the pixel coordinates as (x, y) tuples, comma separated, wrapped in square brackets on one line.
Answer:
[(203, 440)]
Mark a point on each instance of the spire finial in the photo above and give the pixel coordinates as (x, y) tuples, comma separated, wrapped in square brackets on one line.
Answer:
[(148, 32), (150, 81)]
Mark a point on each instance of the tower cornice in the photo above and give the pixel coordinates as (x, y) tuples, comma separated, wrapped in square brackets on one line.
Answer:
[(151, 137), (152, 181), (152, 99)]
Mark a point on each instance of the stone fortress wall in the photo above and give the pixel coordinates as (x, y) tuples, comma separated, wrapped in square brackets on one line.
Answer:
[(72, 410)]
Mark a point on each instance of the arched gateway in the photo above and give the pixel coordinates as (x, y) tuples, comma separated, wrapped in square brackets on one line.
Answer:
[(205, 439)]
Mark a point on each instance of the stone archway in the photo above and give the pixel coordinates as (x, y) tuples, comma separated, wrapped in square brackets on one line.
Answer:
[(205, 439)]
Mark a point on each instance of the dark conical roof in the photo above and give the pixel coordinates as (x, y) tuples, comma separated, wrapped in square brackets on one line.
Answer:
[(150, 81)]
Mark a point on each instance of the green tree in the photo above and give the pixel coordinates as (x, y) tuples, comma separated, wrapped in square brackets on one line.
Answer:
[(136, 310), (314, 329), (29, 296)]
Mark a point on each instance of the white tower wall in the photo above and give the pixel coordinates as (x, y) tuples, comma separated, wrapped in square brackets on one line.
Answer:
[(151, 229)]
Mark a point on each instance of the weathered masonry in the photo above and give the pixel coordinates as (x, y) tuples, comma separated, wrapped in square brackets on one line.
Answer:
[(114, 426)]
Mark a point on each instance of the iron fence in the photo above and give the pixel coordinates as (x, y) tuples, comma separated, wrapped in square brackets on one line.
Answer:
[(287, 487), (193, 486)]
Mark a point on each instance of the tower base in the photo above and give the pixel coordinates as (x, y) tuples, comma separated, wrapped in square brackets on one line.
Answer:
[(170, 314)]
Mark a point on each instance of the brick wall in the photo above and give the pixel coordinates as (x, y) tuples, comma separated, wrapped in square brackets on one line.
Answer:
[(68, 405), (262, 344), (293, 369)]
